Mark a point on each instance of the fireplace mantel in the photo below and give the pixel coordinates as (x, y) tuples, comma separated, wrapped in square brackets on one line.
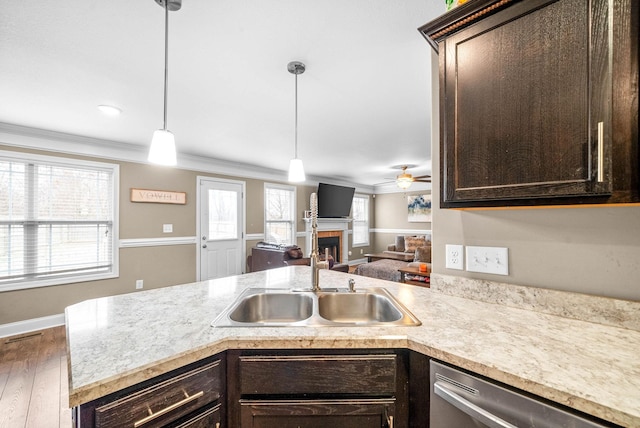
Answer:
[(329, 224)]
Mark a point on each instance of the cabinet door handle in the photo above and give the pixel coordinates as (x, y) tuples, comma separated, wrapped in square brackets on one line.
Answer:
[(600, 152), (188, 398), (388, 417)]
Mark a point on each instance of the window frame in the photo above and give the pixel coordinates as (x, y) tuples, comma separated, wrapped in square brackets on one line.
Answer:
[(293, 221), (114, 170), (355, 221)]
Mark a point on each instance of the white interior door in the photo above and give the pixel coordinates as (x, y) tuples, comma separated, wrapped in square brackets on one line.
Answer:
[(221, 228)]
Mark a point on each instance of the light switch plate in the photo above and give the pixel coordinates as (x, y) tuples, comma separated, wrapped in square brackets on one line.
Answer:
[(455, 257), (488, 260)]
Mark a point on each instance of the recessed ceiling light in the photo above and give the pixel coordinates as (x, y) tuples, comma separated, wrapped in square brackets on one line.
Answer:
[(109, 110)]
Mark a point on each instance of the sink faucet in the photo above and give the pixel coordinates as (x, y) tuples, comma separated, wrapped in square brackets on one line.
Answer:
[(315, 268)]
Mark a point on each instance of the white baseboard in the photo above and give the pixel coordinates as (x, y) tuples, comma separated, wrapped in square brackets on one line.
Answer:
[(21, 327), (357, 261)]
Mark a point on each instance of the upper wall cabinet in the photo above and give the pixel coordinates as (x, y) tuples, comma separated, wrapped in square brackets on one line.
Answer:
[(538, 102)]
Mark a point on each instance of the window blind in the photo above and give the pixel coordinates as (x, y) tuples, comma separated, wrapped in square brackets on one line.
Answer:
[(279, 203), (360, 213), (56, 220)]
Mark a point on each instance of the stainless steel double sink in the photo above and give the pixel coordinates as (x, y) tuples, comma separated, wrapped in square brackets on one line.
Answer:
[(266, 307)]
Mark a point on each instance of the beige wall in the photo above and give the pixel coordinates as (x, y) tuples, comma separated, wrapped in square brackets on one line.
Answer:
[(158, 266), (391, 218), (587, 250)]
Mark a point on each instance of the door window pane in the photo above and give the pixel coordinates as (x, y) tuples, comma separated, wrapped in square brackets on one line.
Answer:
[(223, 214)]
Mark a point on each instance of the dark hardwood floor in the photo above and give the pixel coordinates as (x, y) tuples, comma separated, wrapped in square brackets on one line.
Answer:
[(33, 380)]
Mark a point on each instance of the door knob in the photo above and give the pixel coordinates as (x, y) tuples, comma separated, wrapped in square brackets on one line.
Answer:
[(204, 245)]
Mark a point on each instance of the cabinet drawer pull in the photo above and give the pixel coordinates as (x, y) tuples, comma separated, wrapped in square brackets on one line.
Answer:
[(168, 409), (600, 152)]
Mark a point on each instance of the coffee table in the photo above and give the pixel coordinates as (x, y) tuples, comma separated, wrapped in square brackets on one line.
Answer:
[(371, 257), (413, 271)]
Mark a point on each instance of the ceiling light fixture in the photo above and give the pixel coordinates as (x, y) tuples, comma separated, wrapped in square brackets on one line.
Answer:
[(163, 143), (404, 180), (296, 169), (109, 110)]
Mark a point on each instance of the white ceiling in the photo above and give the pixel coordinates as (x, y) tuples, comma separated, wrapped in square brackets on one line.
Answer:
[(363, 102)]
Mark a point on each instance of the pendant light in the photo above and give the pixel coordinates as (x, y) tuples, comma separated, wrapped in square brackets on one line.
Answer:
[(163, 143), (296, 170)]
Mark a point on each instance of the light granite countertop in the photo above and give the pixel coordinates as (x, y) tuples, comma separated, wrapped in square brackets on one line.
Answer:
[(115, 342)]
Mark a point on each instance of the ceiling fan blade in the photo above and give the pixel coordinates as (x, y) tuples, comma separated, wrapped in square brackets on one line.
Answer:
[(423, 176), (392, 180), (422, 180)]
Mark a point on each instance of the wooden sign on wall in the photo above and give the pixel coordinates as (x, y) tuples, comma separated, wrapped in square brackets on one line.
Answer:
[(158, 196)]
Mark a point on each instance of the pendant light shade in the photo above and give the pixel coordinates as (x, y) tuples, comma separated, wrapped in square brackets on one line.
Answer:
[(163, 143), (163, 148), (296, 169)]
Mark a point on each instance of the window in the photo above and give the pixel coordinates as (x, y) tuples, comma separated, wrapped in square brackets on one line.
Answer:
[(223, 214), (360, 214), (279, 214), (57, 220)]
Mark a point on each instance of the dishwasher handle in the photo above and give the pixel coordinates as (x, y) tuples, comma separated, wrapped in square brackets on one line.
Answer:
[(478, 413)]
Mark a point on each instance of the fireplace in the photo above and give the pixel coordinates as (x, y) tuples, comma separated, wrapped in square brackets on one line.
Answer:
[(333, 233), (331, 243)]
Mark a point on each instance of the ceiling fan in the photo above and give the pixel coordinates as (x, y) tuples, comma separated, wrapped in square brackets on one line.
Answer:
[(404, 179)]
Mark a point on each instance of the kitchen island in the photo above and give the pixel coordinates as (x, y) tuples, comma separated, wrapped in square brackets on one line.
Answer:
[(119, 341)]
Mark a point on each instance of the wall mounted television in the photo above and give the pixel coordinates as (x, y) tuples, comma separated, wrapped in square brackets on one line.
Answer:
[(334, 201)]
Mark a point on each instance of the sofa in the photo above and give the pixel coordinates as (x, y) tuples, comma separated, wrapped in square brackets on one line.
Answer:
[(418, 245), (268, 256), (387, 269)]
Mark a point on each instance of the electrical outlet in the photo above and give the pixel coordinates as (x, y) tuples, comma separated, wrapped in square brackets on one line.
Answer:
[(488, 260), (361, 251), (454, 257), (167, 228), (139, 284)]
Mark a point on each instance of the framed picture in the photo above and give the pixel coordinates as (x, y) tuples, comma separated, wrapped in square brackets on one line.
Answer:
[(419, 208)]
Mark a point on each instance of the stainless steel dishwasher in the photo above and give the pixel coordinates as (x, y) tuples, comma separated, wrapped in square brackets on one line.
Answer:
[(460, 400)]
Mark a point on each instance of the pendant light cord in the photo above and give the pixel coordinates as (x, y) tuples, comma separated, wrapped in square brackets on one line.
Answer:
[(166, 58), (295, 151)]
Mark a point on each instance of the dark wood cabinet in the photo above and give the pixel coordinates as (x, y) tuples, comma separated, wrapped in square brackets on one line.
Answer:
[(538, 102), (318, 388), (190, 397), (275, 388), (317, 413)]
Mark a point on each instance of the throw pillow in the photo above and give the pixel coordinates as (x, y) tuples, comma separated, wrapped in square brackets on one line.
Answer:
[(294, 252), (423, 254), (399, 243), (413, 242)]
